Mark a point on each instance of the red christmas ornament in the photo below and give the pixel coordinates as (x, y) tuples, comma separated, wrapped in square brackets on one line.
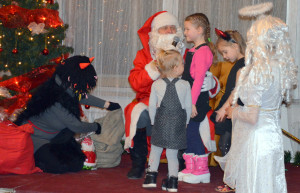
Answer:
[(15, 51), (45, 52), (50, 1), (87, 106), (1, 49), (58, 60)]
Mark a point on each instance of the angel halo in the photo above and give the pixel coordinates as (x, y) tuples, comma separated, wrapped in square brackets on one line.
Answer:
[(256, 10)]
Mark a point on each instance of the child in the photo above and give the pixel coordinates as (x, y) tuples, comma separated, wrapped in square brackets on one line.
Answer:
[(169, 109), (232, 47), (197, 63), (255, 161)]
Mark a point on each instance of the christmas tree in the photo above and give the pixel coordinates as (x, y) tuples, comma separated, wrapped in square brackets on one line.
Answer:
[(31, 35)]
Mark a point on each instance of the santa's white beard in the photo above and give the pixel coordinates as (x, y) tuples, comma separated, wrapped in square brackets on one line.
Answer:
[(164, 41)]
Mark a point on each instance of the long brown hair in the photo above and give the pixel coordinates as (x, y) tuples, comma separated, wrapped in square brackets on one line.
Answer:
[(201, 20), (238, 39)]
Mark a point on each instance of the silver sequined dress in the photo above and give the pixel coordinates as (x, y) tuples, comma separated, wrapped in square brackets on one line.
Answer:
[(255, 162)]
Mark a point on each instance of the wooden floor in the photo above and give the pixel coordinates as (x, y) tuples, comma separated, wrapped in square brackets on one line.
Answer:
[(114, 180)]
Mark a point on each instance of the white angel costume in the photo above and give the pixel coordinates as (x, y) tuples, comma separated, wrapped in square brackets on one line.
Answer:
[(255, 162)]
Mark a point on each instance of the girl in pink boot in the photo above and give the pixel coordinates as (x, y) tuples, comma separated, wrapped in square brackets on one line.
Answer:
[(197, 62)]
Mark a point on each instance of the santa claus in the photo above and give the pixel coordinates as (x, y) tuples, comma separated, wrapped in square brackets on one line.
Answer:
[(160, 31)]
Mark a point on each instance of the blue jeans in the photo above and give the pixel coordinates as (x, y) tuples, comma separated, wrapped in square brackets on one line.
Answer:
[(194, 141)]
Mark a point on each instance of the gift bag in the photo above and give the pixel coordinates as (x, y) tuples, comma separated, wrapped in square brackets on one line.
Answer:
[(16, 149), (108, 144)]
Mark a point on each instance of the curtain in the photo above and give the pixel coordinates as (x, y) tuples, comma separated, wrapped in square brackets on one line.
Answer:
[(223, 14), (293, 21), (107, 29), (290, 114)]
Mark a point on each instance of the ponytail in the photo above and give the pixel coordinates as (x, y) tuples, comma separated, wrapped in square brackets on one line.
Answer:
[(211, 45)]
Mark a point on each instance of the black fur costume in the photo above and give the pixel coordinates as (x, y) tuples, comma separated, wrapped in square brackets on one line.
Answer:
[(61, 93)]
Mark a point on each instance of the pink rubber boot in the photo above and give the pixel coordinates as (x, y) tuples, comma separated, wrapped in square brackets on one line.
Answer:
[(189, 165), (201, 172)]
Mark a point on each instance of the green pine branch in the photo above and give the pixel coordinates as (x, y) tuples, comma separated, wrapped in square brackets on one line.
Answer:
[(30, 46)]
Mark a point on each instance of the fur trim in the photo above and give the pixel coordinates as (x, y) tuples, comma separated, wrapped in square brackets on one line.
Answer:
[(256, 10), (164, 19), (135, 114), (204, 130), (154, 74), (212, 95)]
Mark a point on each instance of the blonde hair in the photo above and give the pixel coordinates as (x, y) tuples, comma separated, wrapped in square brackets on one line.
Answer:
[(201, 20), (167, 60), (237, 37), (268, 47)]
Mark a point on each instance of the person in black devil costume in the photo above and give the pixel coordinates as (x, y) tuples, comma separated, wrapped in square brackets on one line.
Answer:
[(54, 113)]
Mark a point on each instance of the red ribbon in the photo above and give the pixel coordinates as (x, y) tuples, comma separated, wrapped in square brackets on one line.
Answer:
[(23, 84), (14, 16)]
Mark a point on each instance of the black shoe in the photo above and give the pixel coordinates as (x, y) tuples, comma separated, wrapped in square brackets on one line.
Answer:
[(150, 181), (164, 184), (135, 173), (172, 184)]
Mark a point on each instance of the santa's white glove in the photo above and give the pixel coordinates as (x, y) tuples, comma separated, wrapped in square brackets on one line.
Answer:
[(152, 70), (208, 83)]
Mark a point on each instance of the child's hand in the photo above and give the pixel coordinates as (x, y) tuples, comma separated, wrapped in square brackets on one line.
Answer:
[(229, 112), (194, 111), (221, 115), (230, 99)]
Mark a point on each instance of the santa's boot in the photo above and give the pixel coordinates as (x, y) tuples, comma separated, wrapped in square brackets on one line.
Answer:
[(189, 164), (201, 172), (138, 155)]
